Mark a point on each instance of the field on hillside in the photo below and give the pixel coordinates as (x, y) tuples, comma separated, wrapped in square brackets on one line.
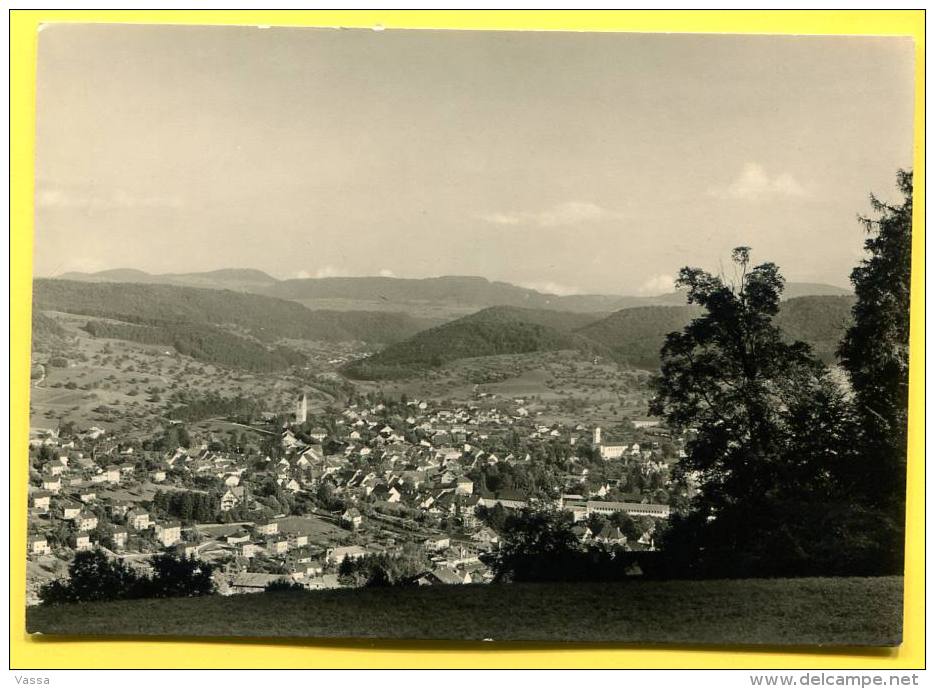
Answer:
[(562, 385), (845, 611), (421, 309), (314, 527), (126, 386)]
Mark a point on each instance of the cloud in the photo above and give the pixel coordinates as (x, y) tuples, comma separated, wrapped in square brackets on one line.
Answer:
[(330, 271), (101, 200), (568, 213), (658, 284), (754, 183), (551, 288)]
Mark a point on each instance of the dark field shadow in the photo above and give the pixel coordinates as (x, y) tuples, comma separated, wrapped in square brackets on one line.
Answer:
[(493, 615)]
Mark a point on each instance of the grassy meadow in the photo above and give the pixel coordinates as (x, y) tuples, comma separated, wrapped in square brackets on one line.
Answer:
[(844, 611)]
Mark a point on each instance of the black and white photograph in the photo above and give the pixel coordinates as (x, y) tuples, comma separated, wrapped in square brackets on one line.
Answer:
[(566, 337)]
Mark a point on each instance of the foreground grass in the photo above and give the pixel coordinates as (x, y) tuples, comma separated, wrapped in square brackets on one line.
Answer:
[(843, 611)]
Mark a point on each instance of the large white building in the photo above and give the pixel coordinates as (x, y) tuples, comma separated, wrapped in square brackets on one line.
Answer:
[(610, 451), (634, 509), (582, 509)]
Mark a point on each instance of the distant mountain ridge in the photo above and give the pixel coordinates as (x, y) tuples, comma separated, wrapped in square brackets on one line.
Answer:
[(460, 294), (261, 317), (794, 290), (239, 279), (244, 323)]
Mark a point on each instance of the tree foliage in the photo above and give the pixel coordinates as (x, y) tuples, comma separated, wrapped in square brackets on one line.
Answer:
[(377, 570), (197, 407), (93, 576), (535, 543), (207, 343), (772, 429), (539, 546), (175, 576), (489, 332), (283, 585), (875, 351), (188, 506)]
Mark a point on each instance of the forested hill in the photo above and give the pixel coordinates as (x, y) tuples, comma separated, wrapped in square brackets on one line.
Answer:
[(631, 336), (262, 317), (635, 336), (794, 290), (43, 326), (469, 292), (449, 296), (203, 342), (45, 331), (562, 321), (490, 332), (819, 320), (455, 291)]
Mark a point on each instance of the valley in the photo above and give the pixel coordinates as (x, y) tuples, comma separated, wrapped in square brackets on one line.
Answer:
[(352, 431)]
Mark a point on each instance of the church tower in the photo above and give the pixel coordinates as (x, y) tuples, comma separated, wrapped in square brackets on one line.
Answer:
[(301, 409), (597, 436)]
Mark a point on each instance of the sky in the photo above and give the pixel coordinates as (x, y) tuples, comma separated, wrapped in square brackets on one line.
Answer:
[(566, 162)]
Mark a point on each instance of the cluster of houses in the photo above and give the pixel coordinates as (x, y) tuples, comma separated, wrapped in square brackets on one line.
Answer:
[(78, 492), (383, 473)]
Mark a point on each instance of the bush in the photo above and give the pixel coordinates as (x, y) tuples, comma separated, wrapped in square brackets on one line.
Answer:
[(283, 585), (176, 577), (804, 539), (93, 577)]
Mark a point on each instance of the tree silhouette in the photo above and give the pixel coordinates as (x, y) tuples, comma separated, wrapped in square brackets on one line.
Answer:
[(538, 545), (93, 576), (875, 352), (771, 428), (175, 576)]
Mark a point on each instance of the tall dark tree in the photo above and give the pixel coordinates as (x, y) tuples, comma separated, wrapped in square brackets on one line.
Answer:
[(185, 506), (538, 545), (175, 576), (756, 403), (94, 576), (626, 524), (875, 351)]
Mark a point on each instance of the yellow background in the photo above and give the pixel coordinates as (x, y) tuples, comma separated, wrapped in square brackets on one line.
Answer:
[(34, 652)]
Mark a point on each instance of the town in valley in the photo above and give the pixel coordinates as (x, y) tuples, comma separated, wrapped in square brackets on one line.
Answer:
[(296, 475)]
